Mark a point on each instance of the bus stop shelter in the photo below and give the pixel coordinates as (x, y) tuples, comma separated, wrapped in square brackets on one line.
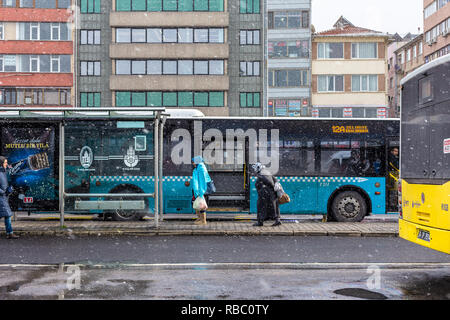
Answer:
[(124, 118)]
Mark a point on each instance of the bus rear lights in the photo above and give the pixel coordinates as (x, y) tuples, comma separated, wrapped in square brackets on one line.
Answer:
[(377, 193), (97, 183), (377, 185)]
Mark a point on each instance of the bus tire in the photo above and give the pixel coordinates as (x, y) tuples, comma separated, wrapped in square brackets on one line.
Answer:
[(127, 215), (349, 206)]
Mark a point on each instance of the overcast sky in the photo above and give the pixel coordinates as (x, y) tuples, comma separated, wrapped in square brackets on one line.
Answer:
[(391, 16)]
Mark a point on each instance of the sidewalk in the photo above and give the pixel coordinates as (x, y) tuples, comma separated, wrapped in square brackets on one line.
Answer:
[(231, 225)]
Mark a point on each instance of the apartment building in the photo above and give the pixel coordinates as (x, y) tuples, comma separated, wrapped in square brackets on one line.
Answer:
[(349, 68), (436, 25), (404, 55), (36, 53), (203, 54), (289, 43), (407, 58)]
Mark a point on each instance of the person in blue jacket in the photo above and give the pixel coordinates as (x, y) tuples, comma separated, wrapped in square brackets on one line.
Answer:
[(5, 190), (200, 179)]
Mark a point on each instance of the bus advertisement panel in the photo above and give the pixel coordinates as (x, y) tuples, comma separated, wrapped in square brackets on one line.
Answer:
[(109, 157), (32, 154)]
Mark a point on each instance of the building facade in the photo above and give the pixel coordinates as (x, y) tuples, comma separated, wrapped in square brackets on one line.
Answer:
[(349, 68), (202, 54), (404, 55), (436, 25), (407, 58), (289, 57), (36, 53)]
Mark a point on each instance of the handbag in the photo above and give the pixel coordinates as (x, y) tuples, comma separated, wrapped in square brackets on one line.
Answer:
[(282, 196), (284, 199), (210, 188)]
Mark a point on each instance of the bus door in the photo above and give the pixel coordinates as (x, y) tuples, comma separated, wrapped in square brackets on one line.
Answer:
[(392, 174), (231, 177)]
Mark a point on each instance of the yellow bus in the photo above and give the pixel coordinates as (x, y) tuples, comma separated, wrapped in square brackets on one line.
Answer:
[(424, 189)]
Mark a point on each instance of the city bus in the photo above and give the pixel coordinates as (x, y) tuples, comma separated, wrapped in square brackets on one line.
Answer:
[(339, 168), (425, 156)]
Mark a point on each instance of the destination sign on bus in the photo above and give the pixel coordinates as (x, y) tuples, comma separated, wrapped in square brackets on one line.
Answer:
[(350, 129)]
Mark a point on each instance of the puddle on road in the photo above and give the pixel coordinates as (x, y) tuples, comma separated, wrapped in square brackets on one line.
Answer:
[(429, 287), (360, 293)]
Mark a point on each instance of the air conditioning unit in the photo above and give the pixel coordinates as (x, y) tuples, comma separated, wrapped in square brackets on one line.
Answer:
[(434, 40), (445, 32), (429, 43), (28, 100)]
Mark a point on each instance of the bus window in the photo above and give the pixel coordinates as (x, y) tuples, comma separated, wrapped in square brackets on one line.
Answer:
[(352, 158), (425, 90), (296, 157), (335, 156)]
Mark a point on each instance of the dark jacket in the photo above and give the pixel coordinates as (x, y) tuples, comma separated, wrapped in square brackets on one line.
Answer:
[(267, 205), (5, 210)]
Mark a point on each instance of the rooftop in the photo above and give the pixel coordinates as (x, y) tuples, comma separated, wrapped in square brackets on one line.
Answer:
[(345, 27)]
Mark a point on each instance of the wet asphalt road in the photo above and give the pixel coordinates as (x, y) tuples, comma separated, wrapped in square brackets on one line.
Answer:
[(213, 249), (237, 268)]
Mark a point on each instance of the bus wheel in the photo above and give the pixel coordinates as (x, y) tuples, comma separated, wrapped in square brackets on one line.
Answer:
[(349, 206), (127, 215)]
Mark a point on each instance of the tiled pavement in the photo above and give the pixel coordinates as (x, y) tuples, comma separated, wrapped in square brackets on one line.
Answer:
[(291, 226)]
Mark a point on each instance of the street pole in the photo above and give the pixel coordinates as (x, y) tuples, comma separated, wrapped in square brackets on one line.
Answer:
[(61, 174), (156, 169)]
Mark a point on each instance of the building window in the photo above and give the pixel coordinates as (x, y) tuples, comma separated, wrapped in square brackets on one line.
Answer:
[(249, 69), (90, 6), (35, 63), (90, 68), (34, 96), (289, 49), (249, 6), (364, 50), (90, 99), (250, 99), (432, 8), (330, 83), (288, 78), (408, 55), (45, 4), (170, 67), (26, 4), (170, 5), (289, 108), (170, 99), (9, 3), (2, 35), (364, 83), (90, 37), (44, 31), (330, 50), (64, 4), (169, 35), (288, 19), (249, 37), (55, 63)]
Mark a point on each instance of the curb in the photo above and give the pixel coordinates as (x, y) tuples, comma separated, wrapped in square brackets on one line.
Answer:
[(162, 232)]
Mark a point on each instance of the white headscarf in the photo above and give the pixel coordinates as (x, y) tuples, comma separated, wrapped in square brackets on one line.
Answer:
[(257, 167)]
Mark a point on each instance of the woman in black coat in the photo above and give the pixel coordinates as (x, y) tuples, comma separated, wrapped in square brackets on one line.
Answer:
[(267, 205), (5, 190)]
